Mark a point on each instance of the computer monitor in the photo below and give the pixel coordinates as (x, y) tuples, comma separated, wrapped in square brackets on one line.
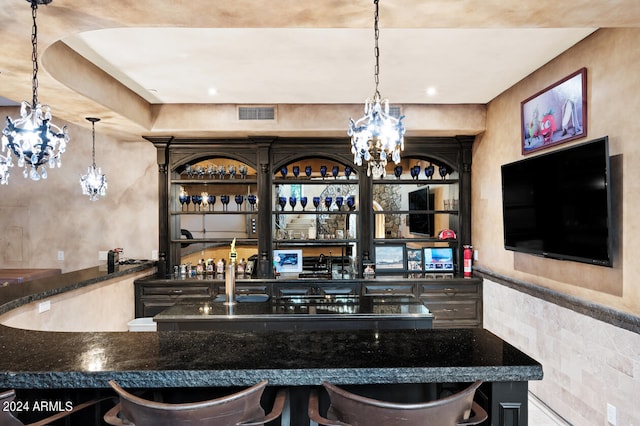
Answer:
[(438, 260), (287, 261)]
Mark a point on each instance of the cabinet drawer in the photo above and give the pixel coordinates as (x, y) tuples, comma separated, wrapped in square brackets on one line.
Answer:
[(382, 290), (458, 310), (450, 290), (176, 291)]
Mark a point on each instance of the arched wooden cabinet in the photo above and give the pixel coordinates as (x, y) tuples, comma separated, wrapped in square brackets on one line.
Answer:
[(357, 218)]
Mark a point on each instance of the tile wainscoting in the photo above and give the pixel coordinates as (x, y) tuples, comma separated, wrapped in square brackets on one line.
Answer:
[(588, 362)]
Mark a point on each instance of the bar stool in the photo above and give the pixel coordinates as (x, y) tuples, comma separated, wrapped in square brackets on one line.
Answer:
[(7, 419), (240, 408), (349, 409)]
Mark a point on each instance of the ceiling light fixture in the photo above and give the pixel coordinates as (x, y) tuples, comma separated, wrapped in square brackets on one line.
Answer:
[(378, 135), (32, 138), (94, 183)]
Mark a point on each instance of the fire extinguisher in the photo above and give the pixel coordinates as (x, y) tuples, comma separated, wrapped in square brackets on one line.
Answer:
[(468, 253)]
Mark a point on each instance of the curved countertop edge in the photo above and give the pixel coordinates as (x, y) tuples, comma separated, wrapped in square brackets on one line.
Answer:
[(603, 313), (276, 377), (15, 295)]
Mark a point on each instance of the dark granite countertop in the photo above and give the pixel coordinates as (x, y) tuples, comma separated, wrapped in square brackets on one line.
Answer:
[(218, 358), (18, 294), (47, 360)]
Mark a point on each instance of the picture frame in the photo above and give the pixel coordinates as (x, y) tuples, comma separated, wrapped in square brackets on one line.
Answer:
[(556, 114), (415, 267), (390, 258)]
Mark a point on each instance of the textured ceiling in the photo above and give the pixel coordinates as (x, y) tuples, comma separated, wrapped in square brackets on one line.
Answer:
[(284, 51)]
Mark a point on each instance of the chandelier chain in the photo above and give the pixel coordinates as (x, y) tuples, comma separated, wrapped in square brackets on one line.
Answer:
[(376, 50), (34, 52)]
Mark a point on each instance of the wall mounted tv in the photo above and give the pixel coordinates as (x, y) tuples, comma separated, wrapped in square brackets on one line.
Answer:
[(558, 205), (421, 223)]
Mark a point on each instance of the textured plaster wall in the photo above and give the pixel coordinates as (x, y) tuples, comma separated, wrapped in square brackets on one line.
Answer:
[(39, 219), (611, 58), (587, 363)]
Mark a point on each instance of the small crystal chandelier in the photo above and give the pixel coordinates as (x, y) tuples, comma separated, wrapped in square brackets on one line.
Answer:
[(32, 138), (378, 135), (94, 183)]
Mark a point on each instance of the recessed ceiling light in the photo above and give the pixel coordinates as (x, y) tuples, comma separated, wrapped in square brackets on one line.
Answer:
[(213, 91), (431, 91)]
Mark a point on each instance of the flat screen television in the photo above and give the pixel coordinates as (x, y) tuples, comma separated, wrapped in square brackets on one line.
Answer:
[(558, 205), (421, 223)]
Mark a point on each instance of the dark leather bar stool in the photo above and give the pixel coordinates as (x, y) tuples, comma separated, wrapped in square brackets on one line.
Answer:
[(349, 409), (7, 419), (241, 408)]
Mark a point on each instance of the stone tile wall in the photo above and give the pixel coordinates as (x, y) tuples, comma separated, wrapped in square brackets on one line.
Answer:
[(587, 363)]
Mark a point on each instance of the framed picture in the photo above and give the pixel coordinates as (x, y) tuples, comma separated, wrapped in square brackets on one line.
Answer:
[(556, 114), (414, 262), (390, 258)]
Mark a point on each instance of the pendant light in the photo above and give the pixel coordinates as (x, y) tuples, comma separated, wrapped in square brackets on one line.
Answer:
[(33, 139), (377, 136), (94, 183)]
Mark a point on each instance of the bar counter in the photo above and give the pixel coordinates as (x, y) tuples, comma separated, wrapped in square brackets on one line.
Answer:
[(175, 359)]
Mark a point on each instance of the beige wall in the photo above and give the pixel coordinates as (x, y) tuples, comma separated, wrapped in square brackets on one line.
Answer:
[(38, 219), (106, 306), (587, 363), (611, 58)]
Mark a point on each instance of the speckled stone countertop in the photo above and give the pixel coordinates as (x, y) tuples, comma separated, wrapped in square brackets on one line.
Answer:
[(34, 359)]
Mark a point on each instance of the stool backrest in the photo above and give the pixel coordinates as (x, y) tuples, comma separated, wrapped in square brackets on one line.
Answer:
[(357, 410), (228, 410)]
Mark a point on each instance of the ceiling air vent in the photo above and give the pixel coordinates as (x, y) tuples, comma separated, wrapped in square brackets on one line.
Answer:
[(395, 111), (257, 113)]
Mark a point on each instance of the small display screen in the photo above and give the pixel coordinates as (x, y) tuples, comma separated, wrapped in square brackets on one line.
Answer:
[(438, 259), (286, 261)]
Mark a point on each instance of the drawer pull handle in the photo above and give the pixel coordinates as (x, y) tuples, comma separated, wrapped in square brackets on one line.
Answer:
[(176, 291)]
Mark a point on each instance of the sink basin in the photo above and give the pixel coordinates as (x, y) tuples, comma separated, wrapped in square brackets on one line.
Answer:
[(244, 298)]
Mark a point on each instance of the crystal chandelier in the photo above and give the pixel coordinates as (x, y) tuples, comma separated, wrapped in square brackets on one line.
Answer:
[(94, 183), (378, 135), (32, 138)]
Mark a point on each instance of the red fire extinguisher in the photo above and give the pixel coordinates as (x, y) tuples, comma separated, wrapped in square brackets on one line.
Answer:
[(468, 253)]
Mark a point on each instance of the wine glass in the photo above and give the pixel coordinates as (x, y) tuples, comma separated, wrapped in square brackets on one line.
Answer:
[(334, 171), (443, 171), (296, 171), (200, 171), (211, 201), (351, 202), (188, 171), (347, 171), (429, 170), (225, 202), (251, 198), (211, 170), (323, 171), (232, 172), (316, 202), (303, 202), (308, 170), (327, 202), (187, 201), (282, 201), (243, 171), (284, 171), (292, 203), (183, 197), (397, 171), (194, 200), (197, 201), (412, 170), (221, 172), (339, 202), (239, 200), (416, 171)]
